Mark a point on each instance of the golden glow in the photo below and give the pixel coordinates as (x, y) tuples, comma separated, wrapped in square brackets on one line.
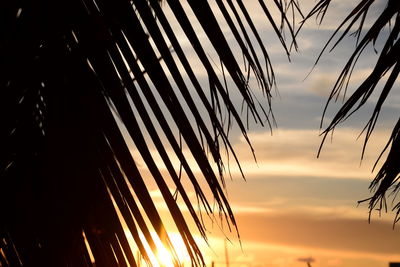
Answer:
[(163, 257), (180, 248)]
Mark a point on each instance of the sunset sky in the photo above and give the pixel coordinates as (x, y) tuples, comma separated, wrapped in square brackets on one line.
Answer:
[(294, 205)]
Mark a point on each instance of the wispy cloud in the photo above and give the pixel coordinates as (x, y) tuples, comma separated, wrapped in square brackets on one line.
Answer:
[(294, 152)]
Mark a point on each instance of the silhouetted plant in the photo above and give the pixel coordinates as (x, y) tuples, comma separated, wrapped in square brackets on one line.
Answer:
[(81, 78), (386, 26)]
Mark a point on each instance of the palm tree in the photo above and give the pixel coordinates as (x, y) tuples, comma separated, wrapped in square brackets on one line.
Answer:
[(80, 79)]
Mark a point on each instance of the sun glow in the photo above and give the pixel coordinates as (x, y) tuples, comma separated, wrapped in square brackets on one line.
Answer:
[(163, 257)]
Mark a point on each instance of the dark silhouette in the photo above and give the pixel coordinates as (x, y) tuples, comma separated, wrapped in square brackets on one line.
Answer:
[(384, 25), (80, 78), (308, 260)]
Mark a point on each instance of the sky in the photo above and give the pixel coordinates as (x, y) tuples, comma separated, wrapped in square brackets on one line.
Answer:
[(294, 205)]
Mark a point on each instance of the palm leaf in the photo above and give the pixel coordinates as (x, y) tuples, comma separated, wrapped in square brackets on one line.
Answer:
[(386, 69), (82, 79)]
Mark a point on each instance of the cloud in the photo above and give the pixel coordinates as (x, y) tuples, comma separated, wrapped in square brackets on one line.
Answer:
[(322, 84), (293, 152), (250, 209), (302, 230)]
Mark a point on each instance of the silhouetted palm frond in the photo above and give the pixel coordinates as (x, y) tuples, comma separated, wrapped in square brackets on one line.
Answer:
[(386, 26), (81, 78)]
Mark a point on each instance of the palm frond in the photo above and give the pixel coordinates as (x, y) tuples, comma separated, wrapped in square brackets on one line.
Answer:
[(83, 78), (385, 26)]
